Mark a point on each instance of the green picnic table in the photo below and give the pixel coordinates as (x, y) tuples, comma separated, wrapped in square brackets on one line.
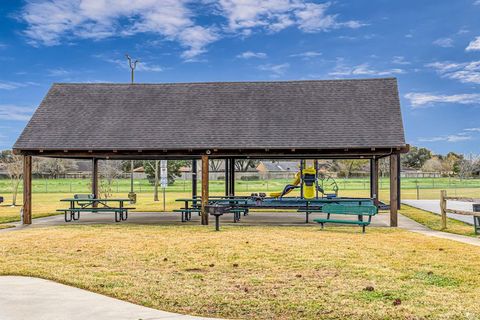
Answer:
[(196, 206), (88, 203)]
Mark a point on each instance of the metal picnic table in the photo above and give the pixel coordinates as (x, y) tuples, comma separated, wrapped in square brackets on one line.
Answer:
[(89, 204)]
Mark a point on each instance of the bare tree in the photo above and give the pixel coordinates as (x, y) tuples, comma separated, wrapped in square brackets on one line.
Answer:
[(468, 165), (14, 167), (245, 164), (55, 166), (216, 165), (433, 165), (109, 171)]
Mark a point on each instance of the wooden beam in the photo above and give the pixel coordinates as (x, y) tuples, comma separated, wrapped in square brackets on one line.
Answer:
[(399, 187), (194, 178), (204, 189), (158, 154), (231, 191), (27, 190), (393, 190), (95, 177), (374, 176), (227, 176)]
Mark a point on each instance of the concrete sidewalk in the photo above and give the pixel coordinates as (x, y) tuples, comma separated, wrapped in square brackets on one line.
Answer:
[(433, 206), (25, 298)]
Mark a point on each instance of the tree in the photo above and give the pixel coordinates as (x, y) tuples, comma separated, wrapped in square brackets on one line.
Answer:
[(451, 162), (216, 165), (347, 167), (415, 158), (14, 167), (109, 170), (469, 166), (245, 164), (56, 166), (126, 165), (152, 170), (433, 165), (173, 167)]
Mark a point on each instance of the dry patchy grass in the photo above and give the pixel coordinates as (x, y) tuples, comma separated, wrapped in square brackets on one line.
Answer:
[(434, 221), (257, 272)]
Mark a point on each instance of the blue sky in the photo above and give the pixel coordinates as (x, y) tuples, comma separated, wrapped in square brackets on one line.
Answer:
[(432, 47)]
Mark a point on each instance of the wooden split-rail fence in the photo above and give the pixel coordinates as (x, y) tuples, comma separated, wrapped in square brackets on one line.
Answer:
[(444, 210)]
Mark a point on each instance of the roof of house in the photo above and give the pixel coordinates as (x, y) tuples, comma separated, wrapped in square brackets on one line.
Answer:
[(273, 166), (323, 114)]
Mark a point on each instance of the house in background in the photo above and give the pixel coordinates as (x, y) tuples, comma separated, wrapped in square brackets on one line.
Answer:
[(287, 169)]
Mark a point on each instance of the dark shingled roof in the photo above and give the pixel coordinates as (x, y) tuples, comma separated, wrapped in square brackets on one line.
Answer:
[(325, 114)]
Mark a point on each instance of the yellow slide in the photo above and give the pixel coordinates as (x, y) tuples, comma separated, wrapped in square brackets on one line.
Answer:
[(308, 184), (295, 182)]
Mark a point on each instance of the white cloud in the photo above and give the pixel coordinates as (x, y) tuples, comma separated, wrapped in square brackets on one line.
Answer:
[(276, 15), (306, 54), (51, 21), (12, 112), (473, 129), (363, 70), (449, 138), (474, 45), (58, 72), (400, 60), (251, 54), (444, 42), (275, 69), (468, 72), (427, 99), (10, 85)]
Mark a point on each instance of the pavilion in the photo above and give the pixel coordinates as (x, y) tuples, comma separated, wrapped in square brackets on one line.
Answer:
[(318, 119)]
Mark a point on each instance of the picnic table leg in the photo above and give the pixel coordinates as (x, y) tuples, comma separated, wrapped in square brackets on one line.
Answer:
[(217, 222)]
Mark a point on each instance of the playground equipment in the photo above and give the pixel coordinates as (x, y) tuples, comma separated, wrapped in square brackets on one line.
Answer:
[(310, 181)]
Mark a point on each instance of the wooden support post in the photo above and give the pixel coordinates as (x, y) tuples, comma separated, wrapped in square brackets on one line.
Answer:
[(204, 189), (315, 164), (95, 178), (302, 166), (374, 176), (232, 178), (443, 208), (393, 190), (27, 190), (227, 177), (194, 178), (399, 187)]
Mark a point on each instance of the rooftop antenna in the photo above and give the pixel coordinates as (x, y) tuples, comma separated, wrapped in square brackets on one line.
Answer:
[(132, 64), (132, 196)]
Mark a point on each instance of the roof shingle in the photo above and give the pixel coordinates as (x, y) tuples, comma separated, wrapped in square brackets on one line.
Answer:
[(225, 115)]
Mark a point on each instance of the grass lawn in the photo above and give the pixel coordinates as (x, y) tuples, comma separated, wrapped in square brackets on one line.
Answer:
[(257, 272), (434, 221)]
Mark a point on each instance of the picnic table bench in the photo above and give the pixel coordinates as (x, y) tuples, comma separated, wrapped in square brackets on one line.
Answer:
[(88, 203), (360, 211), (196, 207)]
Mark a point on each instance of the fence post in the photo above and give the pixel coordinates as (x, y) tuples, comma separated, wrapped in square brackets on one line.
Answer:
[(418, 192), (443, 208)]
